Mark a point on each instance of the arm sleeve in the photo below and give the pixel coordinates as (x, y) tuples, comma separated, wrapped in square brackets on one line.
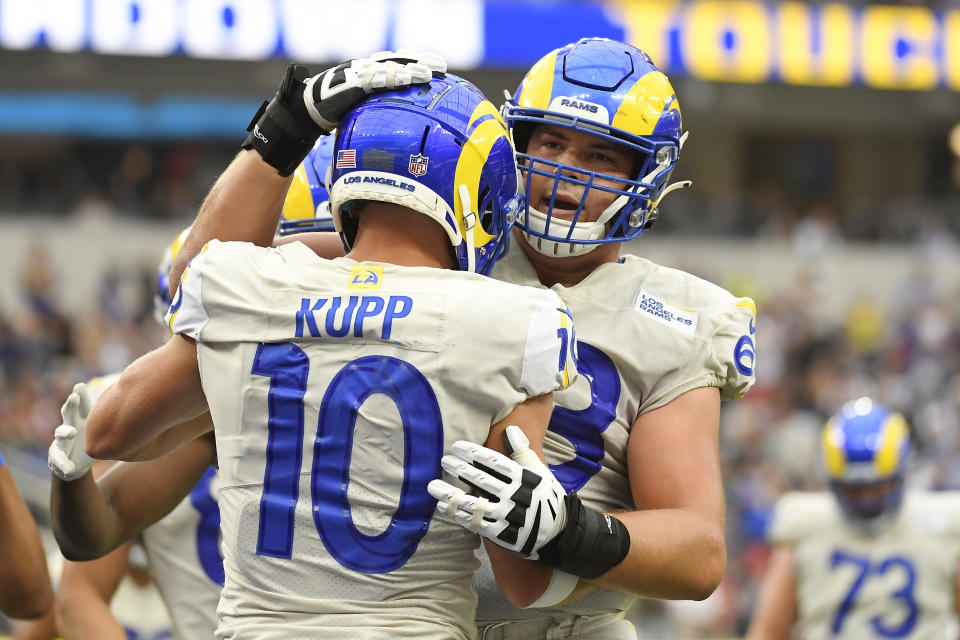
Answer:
[(722, 354), (734, 348), (224, 293), (1, 459), (187, 314), (549, 358)]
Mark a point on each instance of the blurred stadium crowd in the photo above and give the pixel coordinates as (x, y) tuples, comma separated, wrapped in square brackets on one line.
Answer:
[(166, 181)]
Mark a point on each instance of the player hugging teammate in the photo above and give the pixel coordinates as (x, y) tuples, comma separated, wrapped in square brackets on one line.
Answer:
[(365, 429)]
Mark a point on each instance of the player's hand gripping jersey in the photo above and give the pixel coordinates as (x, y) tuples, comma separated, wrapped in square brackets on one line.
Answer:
[(645, 335), (184, 551), (335, 390), (897, 584)]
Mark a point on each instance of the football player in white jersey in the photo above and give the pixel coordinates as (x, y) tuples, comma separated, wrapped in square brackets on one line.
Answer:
[(182, 546), (99, 517), (25, 590), (597, 128), (869, 559), (375, 360)]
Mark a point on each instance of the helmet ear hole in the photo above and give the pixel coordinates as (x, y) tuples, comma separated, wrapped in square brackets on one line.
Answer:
[(521, 135), (485, 209)]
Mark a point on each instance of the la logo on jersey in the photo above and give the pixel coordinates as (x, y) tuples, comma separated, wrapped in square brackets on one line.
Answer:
[(418, 164), (365, 277)]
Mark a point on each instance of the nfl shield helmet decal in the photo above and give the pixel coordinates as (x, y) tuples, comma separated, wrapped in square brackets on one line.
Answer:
[(418, 165)]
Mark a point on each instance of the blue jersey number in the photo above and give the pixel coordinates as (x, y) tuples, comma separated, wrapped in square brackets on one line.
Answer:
[(208, 530), (584, 429), (903, 596), (287, 367)]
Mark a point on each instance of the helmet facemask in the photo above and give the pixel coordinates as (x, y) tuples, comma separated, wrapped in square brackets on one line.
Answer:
[(634, 200), (870, 507)]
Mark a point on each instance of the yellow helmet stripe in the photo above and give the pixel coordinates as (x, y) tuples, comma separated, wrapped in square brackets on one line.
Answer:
[(645, 104), (537, 85), (298, 204), (895, 431), (831, 441), (472, 158)]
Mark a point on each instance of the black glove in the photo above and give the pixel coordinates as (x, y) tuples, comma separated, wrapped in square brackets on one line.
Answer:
[(285, 129)]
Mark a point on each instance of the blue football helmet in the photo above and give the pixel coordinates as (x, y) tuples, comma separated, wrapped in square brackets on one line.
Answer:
[(441, 149), (307, 205), (613, 91), (865, 452), (161, 295)]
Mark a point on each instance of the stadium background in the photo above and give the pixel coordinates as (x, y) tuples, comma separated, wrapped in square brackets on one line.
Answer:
[(825, 186)]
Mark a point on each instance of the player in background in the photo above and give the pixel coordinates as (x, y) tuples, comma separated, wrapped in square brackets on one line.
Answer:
[(170, 503), (868, 559), (374, 358), (598, 130), (25, 590)]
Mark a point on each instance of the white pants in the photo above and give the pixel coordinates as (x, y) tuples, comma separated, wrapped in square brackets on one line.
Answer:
[(606, 626)]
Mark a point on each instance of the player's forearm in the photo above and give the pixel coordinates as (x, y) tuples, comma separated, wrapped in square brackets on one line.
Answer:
[(244, 204), (522, 581), (25, 590), (674, 554), (83, 522), (171, 439), (83, 615)]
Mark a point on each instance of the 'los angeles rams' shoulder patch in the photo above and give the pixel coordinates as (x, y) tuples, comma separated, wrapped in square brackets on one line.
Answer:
[(683, 320)]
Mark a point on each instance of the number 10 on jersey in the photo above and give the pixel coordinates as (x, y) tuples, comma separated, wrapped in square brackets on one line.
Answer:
[(288, 366)]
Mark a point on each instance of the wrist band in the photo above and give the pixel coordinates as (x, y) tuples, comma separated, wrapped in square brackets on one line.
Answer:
[(561, 586), (280, 139), (282, 131), (590, 544)]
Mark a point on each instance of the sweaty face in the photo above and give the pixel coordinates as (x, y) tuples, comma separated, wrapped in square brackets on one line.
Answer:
[(582, 150)]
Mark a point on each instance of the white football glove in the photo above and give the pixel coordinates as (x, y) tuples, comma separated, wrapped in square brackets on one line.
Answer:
[(525, 510), (67, 458), (330, 94)]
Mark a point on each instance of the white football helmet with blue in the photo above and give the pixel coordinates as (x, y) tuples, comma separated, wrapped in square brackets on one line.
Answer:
[(865, 452), (610, 90)]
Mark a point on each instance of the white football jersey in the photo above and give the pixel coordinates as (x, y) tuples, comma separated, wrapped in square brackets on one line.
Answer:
[(183, 549), (140, 611), (645, 335), (900, 583), (184, 553), (335, 387)]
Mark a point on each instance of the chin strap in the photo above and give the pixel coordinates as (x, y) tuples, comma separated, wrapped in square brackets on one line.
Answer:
[(469, 222)]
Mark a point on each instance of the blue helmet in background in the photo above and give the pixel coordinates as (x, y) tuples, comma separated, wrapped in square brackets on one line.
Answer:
[(614, 91), (307, 205), (441, 149), (865, 452)]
